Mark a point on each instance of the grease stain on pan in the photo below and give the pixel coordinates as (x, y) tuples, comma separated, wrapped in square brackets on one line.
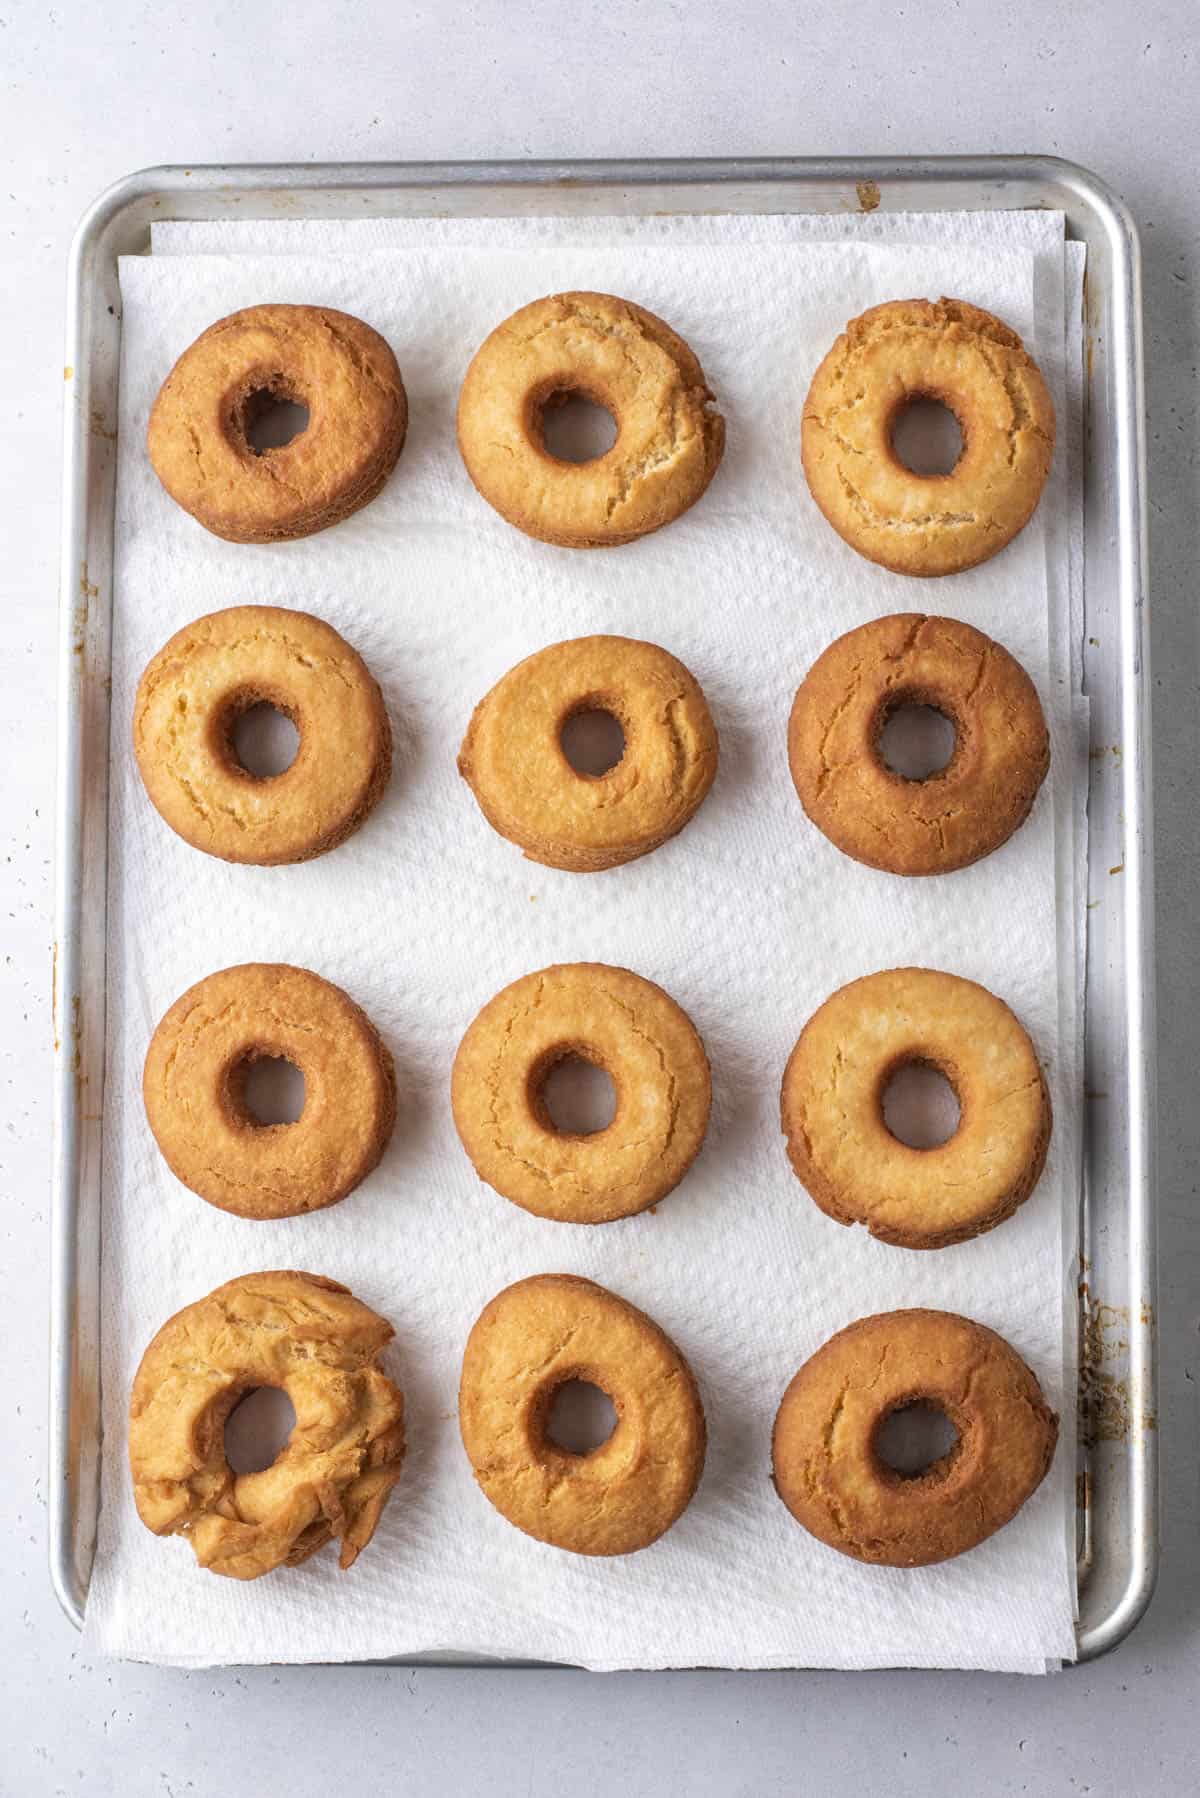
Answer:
[(1107, 1408)]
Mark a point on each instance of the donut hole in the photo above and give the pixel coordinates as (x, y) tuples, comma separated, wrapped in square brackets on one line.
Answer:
[(272, 417), (576, 1096), (581, 1418), (272, 1090), (914, 1438), (593, 741), (258, 1428), (574, 427), (917, 741), (920, 1106), (927, 437), (264, 741)]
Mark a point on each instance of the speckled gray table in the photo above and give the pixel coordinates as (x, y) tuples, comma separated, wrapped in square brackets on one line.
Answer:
[(90, 92)]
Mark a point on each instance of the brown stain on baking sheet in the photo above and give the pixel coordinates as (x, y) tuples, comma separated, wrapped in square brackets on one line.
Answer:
[(88, 591), (868, 195), (1107, 1410)]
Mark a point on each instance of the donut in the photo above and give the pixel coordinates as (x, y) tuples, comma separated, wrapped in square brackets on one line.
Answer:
[(827, 1469), (943, 350), (512, 756), (193, 1086), (314, 1340), (618, 1021), (533, 1338), (953, 817), (335, 365), (621, 357), (197, 687), (831, 1108)]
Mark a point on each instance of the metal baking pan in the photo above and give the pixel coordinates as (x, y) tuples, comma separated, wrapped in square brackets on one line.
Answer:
[(1118, 1461)]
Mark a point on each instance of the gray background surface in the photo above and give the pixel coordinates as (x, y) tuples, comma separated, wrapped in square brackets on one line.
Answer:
[(90, 92)]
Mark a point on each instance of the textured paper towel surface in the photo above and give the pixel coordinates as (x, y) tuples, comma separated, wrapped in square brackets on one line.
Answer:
[(749, 919)]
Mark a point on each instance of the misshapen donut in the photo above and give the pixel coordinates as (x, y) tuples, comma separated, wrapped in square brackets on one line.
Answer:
[(826, 1466), (312, 356), (621, 357), (965, 810), (512, 756), (192, 1084), (618, 1021), (197, 687), (313, 1339), (975, 365), (533, 1338), (831, 1108)]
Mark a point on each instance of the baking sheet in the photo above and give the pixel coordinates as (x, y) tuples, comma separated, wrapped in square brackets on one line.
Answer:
[(641, 921)]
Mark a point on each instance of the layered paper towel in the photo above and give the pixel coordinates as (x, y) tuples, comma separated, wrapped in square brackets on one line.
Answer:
[(749, 919)]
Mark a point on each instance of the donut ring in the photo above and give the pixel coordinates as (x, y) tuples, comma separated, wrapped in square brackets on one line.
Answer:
[(954, 817), (533, 1338), (620, 357), (618, 1021), (197, 687), (310, 1337), (335, 365), (972, 363), (831, 1108), (192, 1086), (827, 1470), (512, 756)]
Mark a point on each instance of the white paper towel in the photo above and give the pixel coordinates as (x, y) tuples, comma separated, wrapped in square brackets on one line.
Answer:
[(749, 919)]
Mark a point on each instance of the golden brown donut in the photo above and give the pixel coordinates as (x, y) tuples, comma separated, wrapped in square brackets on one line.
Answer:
[(827, 1470), (335, 365), (313, 1339), (197, 687), (961, 813), (192, 1084), (942, 350), (831, 1108), (618, 1021), (619, 356), (533, 1338), (513, 760)]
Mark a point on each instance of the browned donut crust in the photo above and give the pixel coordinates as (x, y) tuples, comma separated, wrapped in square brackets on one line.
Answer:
[(530, 1340), (831, 1108), (619, 356), (961, 813), (827, 1470), (513, 760), (192, 1084), (197, 687), (313, 1339), (618, 1021), (974, 364), (335, 365)]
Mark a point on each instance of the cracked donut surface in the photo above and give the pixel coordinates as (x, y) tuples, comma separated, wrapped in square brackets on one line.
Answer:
[(312, 1339), (535, 1337), (512, 756), (616, 1020), (969, 361), (193, 1086), (204, 679), (826, 1466), (953, 817), (336, 366), (621, 357), (831, 1108)]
